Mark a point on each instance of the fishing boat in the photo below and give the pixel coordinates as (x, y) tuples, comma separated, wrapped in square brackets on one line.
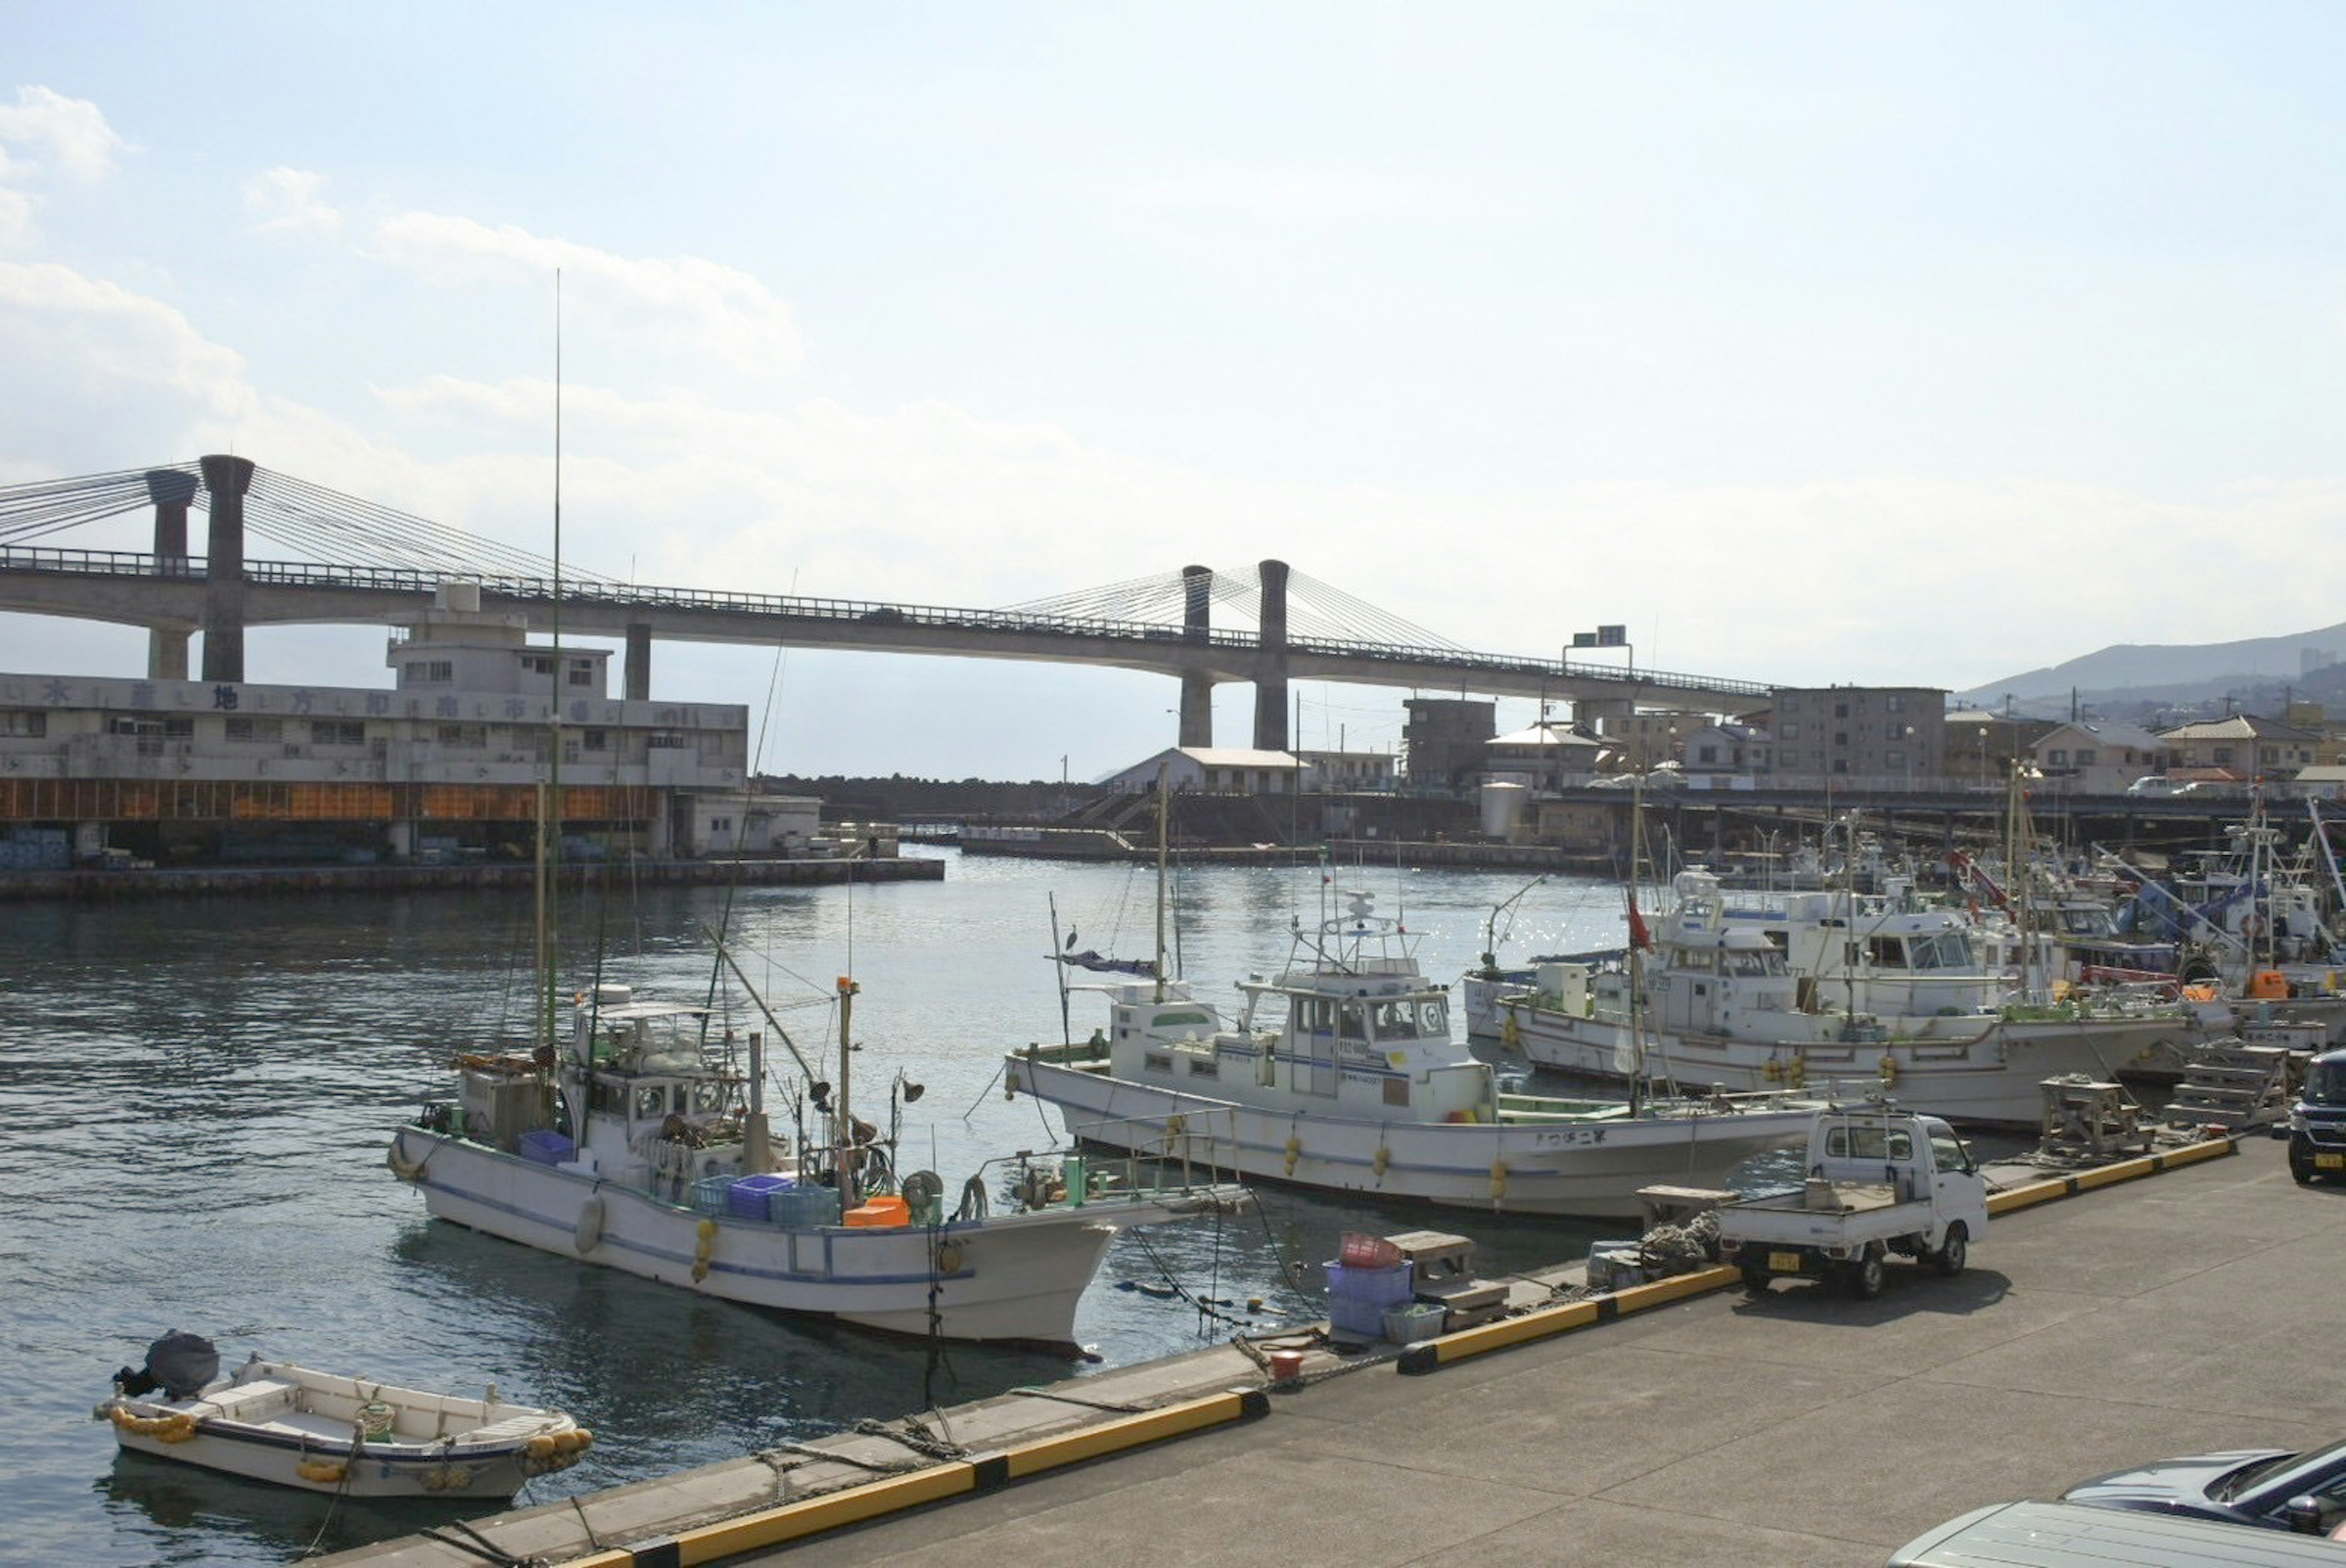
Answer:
[(1833, 988), (292, 1426), (1482, 987), (1340, 1073), (642, 1143)]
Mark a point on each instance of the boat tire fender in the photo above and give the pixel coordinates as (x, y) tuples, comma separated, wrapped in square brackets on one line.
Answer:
[(588, 1233)]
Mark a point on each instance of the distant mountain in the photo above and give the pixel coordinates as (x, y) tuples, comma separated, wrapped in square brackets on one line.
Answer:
[(2306, 662)]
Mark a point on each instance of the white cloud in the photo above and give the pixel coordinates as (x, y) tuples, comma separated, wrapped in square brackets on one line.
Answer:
[(87, 330), (717, 309), (15, 215), (71, 132), (292, 199)]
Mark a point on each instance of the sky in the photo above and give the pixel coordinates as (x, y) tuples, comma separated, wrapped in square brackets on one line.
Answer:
[(1876, 343)]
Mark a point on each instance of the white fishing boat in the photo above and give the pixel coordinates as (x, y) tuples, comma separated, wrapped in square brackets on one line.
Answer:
[(1481, 987), (289, 1425), (1829, 988), (1340, 1073), (642, 1144)]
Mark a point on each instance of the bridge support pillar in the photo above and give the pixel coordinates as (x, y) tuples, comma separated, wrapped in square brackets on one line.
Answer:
[(1271, 666), (1197, 689), (637, 679), (227, 478), (167, 647)]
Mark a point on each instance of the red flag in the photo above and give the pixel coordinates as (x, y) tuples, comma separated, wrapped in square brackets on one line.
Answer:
[(1638, 935)]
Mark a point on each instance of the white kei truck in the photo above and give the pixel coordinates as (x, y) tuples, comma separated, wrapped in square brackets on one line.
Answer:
[(1880, 1180)]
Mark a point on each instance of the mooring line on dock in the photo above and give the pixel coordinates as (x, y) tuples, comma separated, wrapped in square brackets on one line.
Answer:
[(932, 1484)]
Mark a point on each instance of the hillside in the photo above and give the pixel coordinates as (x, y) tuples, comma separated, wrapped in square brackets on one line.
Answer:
[(2183, 674)]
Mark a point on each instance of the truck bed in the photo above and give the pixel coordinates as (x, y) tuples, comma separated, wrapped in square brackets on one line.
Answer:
[(1825, 1213), (1825, 1197)]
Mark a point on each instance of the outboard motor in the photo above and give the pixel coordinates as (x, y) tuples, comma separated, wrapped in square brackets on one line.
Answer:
[(179, 1364)]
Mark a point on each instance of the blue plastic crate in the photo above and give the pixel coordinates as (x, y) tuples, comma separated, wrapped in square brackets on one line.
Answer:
[(746, 1198), (1356, 1319), (804, 1208), (713, 1195), (546, 1146), (1376, 1288)]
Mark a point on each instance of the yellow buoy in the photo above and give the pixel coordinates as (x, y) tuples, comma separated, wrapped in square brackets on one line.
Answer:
[(1294, 1152)]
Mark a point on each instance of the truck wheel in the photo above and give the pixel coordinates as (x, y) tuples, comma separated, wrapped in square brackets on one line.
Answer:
[(2303, 1173), (1950, 1257), (1865, 1275), (1755, 1281)]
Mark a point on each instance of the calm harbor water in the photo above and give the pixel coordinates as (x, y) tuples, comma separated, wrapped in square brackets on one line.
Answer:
[(197, 1095)]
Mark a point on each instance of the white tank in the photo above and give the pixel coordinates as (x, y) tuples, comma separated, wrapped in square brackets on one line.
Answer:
[(1502, 807)]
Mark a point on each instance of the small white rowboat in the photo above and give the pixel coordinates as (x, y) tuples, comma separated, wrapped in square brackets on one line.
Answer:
[(275, 1422)]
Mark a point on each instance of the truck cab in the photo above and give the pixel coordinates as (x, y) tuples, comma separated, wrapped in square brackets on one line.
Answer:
[(2317, 1123), (1880, 1181)]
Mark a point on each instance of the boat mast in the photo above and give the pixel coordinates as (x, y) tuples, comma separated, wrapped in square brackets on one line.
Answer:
[(842, 1126), (1164, 804), (549, 816), (1636, 949)]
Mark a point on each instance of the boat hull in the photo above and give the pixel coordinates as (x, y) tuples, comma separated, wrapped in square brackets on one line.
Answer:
[(293, 1426), (328, 1467), (1590, 1169), (1965, 1069), (1012, 1278)]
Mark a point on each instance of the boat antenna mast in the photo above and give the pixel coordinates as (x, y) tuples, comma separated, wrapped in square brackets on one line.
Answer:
[(549, 818), (1164, 812)]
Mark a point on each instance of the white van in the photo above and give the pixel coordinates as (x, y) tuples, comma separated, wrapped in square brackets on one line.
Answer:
[(2076, 1535)]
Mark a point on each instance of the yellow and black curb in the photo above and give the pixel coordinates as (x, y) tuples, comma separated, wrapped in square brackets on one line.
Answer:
[(955, 1478), (2059, 1187), (1432, 1354)]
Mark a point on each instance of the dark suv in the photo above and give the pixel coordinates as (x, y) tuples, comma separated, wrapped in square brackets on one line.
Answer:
[(2317, 1124)]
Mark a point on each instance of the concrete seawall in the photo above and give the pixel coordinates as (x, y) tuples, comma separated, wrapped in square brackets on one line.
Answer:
[(16, 887)]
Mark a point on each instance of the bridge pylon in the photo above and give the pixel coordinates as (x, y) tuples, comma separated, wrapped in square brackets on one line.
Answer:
[(1197, 686), (1270, 662), (227, 478), (171, 489)]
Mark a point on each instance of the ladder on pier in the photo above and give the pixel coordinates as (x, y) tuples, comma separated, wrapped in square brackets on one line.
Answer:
[(2233, 1084)]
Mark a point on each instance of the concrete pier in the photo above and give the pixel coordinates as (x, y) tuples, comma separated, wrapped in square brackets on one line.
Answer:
[(2125, 1321)]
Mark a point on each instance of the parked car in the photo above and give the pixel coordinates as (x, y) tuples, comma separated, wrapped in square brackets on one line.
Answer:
[(2272, 1488), (2069, 1535), (2156, 784), (2317, 1123)]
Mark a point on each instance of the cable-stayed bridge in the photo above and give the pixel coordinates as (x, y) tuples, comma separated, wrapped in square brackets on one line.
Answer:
[(365, 563)]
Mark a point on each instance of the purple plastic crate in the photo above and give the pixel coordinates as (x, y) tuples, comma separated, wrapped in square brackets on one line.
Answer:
[(746, 1198), (1372, 1288), (1357, 1319), (546, 1146)]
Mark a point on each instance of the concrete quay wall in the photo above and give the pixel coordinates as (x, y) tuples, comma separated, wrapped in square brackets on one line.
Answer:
[(213, 881)]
